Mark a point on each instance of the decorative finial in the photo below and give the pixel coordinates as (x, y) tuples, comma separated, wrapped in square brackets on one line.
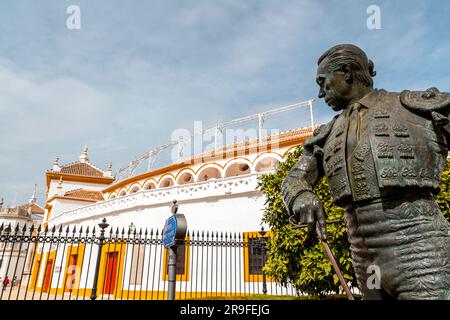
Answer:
[(131, 228), (174, 207), (33, 196), (56, 167), (103, 225), (1, 202), (84, 158), (108, 172), (262, 232)]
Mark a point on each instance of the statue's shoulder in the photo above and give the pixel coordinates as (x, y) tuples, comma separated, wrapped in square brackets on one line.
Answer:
[(320, 134), (426, 101)]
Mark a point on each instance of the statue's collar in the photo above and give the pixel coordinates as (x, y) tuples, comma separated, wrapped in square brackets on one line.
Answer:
[(371, 98), (367, 102)]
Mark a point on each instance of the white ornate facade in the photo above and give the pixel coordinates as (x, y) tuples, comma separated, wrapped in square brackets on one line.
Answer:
[(215, 191)]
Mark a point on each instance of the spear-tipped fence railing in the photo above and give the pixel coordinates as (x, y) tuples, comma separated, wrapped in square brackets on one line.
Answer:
[(79, 263)]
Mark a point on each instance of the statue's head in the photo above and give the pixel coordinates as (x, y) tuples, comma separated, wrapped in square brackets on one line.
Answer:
[(342, 70)]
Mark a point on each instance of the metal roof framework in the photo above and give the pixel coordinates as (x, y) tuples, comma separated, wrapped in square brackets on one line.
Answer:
[(150, 156)]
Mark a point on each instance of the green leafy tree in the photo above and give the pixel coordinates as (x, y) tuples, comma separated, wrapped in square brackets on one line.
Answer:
[(294, 257), (443, 198)]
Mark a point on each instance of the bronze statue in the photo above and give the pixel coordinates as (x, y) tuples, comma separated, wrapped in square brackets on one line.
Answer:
[(383, 156)]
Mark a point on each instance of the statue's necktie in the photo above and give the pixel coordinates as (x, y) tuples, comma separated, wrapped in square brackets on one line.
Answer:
[(354, 127)]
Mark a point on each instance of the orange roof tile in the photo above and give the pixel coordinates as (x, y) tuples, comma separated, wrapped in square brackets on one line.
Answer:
[(84, 194), (36, 209), (82, 169)]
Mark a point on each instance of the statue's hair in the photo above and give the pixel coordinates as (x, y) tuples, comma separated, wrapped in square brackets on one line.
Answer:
[(354, 57)]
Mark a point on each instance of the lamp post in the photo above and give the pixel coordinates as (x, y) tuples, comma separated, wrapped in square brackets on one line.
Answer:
[(262, 242)]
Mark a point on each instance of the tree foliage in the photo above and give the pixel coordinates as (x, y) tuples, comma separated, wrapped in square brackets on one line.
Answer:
[(443, 198), (293, 257)]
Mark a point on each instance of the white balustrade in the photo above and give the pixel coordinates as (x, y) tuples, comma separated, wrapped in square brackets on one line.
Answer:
[(145, 198)]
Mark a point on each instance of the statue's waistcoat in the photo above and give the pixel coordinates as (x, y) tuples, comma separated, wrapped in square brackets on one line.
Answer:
[(402, 149), (334, 161)]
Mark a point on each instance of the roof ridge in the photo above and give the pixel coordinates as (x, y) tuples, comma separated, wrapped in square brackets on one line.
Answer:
[(79, 168), (79, 162), (70, 164)]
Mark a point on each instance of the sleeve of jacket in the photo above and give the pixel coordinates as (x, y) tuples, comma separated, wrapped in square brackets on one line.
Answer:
[(308, 170), (443, 123)]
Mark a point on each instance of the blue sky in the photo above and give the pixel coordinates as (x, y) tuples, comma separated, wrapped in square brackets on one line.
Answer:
[(137, 70)]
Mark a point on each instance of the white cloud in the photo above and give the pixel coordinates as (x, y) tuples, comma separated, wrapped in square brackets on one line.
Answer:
[(47, 110), (40, 118)]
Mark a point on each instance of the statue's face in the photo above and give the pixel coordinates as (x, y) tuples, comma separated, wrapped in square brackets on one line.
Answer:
[(335, 86)]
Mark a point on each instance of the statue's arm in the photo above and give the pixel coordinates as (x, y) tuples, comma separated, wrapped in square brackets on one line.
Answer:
[(447, 132), (303, 176), (302, 204), (308, 170), (442, 122)]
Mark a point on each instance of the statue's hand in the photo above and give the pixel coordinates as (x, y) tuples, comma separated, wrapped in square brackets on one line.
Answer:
[(308, 209)]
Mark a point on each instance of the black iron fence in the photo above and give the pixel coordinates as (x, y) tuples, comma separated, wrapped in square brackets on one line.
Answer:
[(111, 263)]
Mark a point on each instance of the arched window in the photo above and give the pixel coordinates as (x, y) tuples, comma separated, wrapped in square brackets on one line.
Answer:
[(209, 173), (166, 182), (122, 193), (149, 186), (185, 178), (134, 189), (237, 169)]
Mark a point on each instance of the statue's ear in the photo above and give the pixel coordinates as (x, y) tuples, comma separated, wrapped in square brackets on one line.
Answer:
[(345, 68)]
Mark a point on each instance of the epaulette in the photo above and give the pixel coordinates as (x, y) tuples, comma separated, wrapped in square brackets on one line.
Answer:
[(426, 101), (320, 134)]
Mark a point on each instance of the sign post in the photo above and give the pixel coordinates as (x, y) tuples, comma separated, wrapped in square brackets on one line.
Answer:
[(174, 233)]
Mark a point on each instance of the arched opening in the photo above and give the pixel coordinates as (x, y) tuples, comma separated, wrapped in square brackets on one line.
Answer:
[(134, 189), (266, 164), (166, 182), (122, 193), (185, 178), (150, 186), (209, 173), (112, 197), (237, 169)]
